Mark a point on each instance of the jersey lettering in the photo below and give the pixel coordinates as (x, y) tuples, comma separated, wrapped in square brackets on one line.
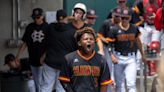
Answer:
[(37, 36), (86, 70), (126, 37)]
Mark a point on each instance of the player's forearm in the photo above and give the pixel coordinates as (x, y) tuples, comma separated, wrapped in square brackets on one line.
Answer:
[(100, 45), (103, 39), (43, 56), (103, 88), (21, 49)]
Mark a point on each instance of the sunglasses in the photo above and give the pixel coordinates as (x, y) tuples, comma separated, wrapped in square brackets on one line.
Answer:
[(117, 16), (125, 18), (121, 2), (38, 17)]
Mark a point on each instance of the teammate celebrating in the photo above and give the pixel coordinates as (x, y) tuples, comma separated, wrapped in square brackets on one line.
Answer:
[(91, 17), (78, 14), (126, 39), (120, 4), (103, 32), (85, 70)]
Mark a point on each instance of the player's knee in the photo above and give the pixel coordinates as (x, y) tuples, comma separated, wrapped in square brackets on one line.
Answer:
[(119, 85), (131, 85)]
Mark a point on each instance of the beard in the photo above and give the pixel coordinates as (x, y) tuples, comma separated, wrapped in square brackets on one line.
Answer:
[(87, 49)]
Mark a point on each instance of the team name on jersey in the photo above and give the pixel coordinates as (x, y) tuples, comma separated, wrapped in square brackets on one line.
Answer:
[(86, 70), (126, 37)]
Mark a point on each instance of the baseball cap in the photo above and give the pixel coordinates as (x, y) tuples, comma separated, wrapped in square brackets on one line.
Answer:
[(37, 12), (126, 12), (116, 10), (8, 58), (61, 14), (91, 13)]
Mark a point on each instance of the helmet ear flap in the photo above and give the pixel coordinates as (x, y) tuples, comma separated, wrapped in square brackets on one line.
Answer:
[(79, 44), (72, 12), (84, 16)]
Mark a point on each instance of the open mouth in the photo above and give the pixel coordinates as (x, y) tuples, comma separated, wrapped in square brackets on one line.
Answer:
[(88, 46)]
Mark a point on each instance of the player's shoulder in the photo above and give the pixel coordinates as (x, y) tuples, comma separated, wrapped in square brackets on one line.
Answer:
[(113, 9), (134, 26), (52, 25), (45, 23), (100, 57), (69, 25), (31, 24), (70, 55), (107, 22), (34, 24), (115, 28)]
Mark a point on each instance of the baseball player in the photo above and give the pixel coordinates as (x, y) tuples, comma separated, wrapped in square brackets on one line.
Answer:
[(151, 39), (105, 28), (159, 21), (126, 42), (91, 17), (21, 67), (120, 4), (140, 10), (34, 39), (103, 32), (60, 42), (78, 13), (85, 70)]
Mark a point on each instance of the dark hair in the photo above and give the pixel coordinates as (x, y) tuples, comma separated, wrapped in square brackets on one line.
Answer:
[(80, 32), (80, 9), (8, 58)]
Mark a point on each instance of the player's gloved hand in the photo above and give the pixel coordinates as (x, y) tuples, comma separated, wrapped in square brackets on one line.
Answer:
[(114, 59)]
